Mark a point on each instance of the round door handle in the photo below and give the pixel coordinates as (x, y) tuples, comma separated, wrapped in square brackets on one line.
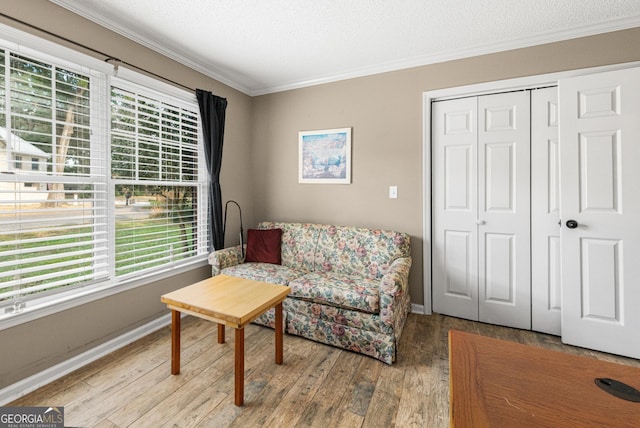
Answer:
[(480, 222), (571, 224)]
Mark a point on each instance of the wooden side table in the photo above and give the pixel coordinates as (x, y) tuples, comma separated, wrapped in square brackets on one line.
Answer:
[(229, 301)]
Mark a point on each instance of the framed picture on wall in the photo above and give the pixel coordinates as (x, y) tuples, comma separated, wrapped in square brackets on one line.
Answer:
[(324, 156)]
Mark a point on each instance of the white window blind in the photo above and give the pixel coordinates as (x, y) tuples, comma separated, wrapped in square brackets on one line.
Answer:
[(101, 179), (155, 176), (53, 181)]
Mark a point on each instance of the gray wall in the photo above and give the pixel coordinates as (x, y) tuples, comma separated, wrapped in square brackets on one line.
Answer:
[(260, 162)]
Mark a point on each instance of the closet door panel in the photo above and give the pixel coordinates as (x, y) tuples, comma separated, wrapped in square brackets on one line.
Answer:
[(458, 179), (504, 251), (500, 177), (545, 217), (498, 273), (457, 263), (454, 199)]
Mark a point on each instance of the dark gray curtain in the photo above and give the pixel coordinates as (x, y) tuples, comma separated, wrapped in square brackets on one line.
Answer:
[(212, 114)]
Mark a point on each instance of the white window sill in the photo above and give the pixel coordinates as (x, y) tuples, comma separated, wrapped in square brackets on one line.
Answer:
[(38, 308)]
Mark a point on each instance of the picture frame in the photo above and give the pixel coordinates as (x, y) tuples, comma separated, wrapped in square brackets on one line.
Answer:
[(324, 156)]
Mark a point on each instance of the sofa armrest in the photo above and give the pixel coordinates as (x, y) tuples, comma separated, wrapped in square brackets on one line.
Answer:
[(224, 258), (393, 285)]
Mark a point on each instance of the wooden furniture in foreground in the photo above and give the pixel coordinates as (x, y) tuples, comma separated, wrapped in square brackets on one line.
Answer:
[(228, 301), (495, 383)]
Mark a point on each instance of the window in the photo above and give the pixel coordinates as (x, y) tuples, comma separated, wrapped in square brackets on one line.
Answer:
[(117, 176), (154, 171), (46, 240)]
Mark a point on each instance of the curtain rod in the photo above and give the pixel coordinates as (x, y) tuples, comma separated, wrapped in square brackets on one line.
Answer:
[(108, 58)]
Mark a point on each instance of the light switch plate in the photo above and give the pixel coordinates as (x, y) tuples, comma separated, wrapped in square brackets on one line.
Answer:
[(393, 192)]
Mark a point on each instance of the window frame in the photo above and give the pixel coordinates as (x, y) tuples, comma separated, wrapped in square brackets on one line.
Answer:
[(40, 306), (131, 80)]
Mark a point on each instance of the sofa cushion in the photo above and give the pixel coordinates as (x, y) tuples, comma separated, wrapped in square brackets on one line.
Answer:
[(359, 251), (343, 291), (299, 242), (264, 246), (265, 272)]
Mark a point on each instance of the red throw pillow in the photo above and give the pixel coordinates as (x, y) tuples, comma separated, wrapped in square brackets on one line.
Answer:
[(263, 245)]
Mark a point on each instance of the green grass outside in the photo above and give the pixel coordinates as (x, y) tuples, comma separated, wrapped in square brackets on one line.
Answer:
[(128, 239)]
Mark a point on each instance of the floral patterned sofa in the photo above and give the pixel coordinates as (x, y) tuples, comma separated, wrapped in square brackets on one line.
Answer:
[(349, 286)]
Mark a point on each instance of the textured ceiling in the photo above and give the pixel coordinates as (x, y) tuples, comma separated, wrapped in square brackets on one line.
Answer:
[(263, 46)]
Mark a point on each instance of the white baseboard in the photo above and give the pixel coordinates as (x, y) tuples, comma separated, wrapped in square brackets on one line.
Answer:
[(417, 309), (27, 385)]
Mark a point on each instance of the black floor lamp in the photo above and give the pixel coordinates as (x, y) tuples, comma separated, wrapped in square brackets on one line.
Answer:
[(224, 227)]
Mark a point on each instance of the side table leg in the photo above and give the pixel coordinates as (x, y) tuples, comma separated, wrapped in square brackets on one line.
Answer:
[(220, 333), (239, 369), (278, 333), (175, 342)]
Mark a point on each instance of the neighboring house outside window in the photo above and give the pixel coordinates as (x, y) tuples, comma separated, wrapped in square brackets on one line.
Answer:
[(19, 149)]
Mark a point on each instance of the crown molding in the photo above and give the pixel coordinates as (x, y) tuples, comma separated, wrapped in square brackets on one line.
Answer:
[(419, 61), (225, 77), (206, 69)]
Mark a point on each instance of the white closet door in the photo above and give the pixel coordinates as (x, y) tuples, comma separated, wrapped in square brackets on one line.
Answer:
[(545, 212), (454, 199), (504, 183), (481, 209), (600, 191)]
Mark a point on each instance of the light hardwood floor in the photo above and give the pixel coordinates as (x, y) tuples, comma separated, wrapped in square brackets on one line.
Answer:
[(317, 386)]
